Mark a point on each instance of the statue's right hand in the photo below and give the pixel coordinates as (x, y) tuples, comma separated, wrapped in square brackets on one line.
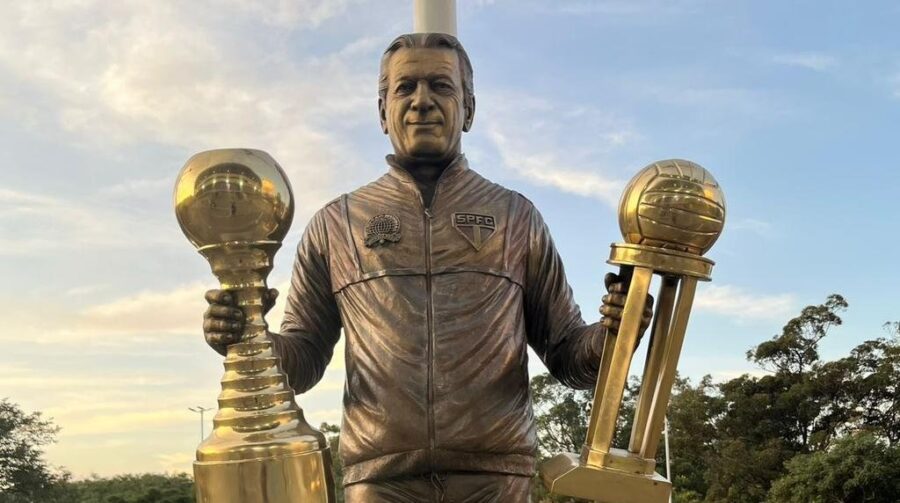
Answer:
[(223, 323)]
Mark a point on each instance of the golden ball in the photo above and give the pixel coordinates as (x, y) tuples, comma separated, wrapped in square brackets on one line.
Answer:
[(673, 204), (233, 195)]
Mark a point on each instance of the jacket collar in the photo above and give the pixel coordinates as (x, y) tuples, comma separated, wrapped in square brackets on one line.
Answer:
[(457, 166)]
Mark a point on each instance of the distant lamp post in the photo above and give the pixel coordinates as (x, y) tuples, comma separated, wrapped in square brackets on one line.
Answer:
[(201, 411)]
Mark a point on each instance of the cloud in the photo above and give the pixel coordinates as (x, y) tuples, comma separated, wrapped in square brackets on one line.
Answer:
[(110, 75), (33, 223), (894, 82), (176, 462), (815, 61), (537, 143), (293, 13), (754, 225), (619, 8), (732, 301)]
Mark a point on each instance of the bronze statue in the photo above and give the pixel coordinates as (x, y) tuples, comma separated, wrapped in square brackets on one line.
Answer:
[(440, 280)]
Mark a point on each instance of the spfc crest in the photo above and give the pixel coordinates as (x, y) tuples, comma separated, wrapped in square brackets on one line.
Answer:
[(477, 229), (382, 229)]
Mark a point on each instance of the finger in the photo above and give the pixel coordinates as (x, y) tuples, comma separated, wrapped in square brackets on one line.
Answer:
[(221, 339), (611, 311), (273, 295), (610, 279), (618, 288), (226, 312), (615, 299), (610, 323), (218, 297), (211, 325)]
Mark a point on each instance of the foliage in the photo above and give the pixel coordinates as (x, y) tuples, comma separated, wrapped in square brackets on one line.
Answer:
[(24, 474), (332, 434), (858, 468), (143, 488), (808, 430)]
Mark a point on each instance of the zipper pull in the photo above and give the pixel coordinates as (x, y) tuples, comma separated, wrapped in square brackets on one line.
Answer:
[(428, 213)]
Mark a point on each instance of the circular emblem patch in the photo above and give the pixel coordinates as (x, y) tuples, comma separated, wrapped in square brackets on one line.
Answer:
[(382, 229)]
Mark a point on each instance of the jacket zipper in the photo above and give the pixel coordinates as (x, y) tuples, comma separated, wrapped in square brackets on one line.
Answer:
[(429, 314), (429, 317)]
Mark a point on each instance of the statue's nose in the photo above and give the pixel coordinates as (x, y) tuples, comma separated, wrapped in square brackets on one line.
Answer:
[(422, 101)]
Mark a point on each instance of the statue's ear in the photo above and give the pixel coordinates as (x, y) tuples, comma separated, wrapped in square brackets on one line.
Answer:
[(470, 113), (382, 115)]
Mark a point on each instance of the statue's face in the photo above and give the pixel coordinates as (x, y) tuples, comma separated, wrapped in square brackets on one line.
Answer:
[(424, 112)]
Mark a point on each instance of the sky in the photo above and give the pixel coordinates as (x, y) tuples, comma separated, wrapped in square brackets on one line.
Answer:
[(793, 106)]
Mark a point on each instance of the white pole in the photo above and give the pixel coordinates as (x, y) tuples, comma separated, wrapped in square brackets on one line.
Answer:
[(668, 460), (434, 16), (201, 410)]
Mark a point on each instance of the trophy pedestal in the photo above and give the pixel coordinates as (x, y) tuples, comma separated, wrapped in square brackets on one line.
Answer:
[(272, 480), (565, 474)]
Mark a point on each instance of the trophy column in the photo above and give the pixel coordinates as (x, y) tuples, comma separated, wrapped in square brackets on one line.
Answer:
[(235, 206), (670, 214)]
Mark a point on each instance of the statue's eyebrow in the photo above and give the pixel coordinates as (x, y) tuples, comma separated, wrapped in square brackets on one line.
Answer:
[(430, 76)]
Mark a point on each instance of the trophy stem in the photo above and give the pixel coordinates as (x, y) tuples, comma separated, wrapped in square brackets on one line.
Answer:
[(655, 354), (260, 435), (609, 398)]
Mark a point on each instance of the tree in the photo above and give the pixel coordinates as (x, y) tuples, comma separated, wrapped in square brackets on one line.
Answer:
[(766, 421), (143, 488), (332, 434), (858, 469), (874, 387), (692, 436), (25, 475)]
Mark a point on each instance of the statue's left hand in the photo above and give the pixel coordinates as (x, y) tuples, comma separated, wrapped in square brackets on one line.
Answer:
[(614, 304)]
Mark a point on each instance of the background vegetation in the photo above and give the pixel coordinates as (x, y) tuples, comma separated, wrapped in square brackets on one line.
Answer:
[(805, 431)]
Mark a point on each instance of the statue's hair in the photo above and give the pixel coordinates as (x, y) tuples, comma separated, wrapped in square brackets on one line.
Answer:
[(429, 41)]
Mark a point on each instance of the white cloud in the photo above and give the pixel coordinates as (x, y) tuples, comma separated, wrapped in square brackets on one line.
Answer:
[(733, 301), (33, 223), (540, 144), (757, 226), (111, 75), (894, 82), (293, 13), (815, 61)]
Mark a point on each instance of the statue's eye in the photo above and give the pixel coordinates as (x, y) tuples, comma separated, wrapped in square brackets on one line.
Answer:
[(404, 88), (443, 86)]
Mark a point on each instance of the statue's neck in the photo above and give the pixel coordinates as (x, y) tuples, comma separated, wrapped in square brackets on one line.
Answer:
[(426, 174)]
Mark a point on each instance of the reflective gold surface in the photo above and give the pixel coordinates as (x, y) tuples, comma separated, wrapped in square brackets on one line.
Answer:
[(670, 214), (235, 206), (674, 204)]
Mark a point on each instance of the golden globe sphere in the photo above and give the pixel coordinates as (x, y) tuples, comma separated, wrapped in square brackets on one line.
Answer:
[(233, 195), (673, 204)]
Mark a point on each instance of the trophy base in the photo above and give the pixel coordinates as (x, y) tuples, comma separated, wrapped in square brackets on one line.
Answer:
[(304, 477), (565, 475)]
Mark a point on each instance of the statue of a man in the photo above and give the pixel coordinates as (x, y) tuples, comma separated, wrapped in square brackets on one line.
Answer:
[(440, 280)]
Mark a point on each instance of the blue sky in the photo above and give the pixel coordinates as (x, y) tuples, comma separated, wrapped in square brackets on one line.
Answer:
[(793, 106)]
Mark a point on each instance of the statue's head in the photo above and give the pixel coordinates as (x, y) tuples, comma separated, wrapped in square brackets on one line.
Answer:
[(426, 96)]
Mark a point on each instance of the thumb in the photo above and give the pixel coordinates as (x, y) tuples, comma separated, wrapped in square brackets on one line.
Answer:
[(271, 297)]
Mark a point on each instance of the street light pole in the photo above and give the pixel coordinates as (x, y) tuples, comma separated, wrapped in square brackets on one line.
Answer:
[(200, 410)]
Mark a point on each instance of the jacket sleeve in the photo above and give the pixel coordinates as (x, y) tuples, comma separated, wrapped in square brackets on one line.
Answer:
[(556, 331), (312, 322)]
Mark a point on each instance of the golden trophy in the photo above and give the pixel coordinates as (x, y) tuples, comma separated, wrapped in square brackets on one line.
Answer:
[(235, 206), (670, 214)]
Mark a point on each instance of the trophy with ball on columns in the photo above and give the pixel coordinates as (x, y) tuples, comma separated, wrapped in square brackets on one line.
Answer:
[(236, 206), (670, 214)]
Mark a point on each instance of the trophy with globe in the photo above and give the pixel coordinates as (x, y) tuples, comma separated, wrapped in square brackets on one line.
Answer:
[(235, 206), (670, 214)]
